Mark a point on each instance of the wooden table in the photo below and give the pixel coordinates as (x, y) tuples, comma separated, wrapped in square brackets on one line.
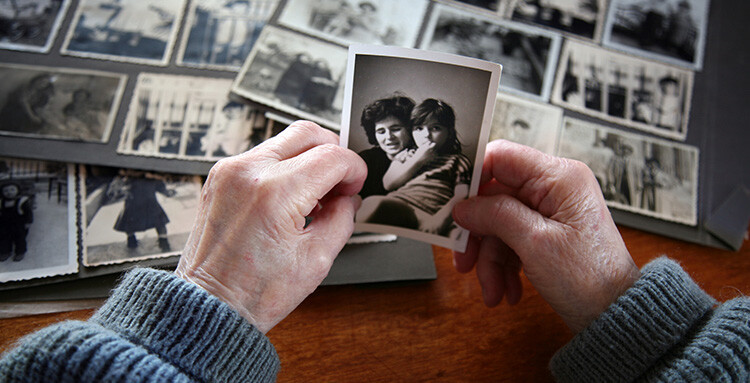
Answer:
[(439, 330)]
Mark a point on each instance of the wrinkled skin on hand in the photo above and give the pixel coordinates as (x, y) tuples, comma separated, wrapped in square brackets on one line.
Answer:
[(547, 216), (250, 246)]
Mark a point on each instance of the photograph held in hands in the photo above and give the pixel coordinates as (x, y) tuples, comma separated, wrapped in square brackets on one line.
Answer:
[(421, 121)]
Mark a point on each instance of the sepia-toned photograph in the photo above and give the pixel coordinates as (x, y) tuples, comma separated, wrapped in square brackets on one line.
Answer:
[(38, 229), (134, 215), (673, 31), (30, 26), (188, 118), (138, 31), (639, 93), (220, 33), (528, 54), (56, 103), (526, 122), (420, 120), (295, 74), (384, 22), (652, 177), (578, 18)]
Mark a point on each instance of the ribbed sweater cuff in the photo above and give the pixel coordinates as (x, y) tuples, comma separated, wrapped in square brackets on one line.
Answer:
[(188, 327), (635, 331)]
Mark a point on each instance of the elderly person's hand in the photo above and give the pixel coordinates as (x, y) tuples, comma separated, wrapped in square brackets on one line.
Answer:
[(545, 215), (250, 245)]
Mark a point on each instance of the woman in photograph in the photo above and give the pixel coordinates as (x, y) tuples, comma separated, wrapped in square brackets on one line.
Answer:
[(387, 124), (424, 182), (16, 215)]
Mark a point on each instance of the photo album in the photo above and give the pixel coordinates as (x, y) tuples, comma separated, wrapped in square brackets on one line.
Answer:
[(112, 112)]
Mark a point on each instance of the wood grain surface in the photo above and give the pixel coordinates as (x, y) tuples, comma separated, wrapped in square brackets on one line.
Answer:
[(440, 330)]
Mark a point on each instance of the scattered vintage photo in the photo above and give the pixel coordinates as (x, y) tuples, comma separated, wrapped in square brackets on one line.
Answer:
[(30, 26), (140, 31), (528, 54), (497, 7), (642, 94), (579, 18), (673, 31), (219, 34), (295, 74), (384, 22), (420, 120), (134, 215), (38, 230), (58, 103), (648, 176), (530, 123), (189, 118)]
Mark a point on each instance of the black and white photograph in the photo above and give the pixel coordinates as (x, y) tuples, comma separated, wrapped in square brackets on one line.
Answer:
[(38, 230), (420, 120), (137, 31), (134, 215), (643, 94), (498, 7), (526, 122), (59, 103), (673, 31), (219, 34), (577, 18), (384, 22), (528, 54), (652, 177), (295, 74), (30, 26), (188, 118)]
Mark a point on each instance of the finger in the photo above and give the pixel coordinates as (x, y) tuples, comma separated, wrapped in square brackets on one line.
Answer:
[(502, 216), (331, 227), (490, 271), (464, 262), (513, 286), (297, 138)]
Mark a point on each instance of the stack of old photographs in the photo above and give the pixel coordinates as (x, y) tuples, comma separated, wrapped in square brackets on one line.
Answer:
[(149, 85), (623, 69)]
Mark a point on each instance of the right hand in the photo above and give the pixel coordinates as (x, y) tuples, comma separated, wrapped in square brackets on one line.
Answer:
[(547, 216)]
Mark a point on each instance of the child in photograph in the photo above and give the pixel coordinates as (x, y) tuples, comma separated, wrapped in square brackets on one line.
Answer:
[(425, 182), (15, 218), (142, 210)]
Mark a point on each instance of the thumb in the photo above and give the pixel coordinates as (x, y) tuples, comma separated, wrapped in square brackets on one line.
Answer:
[(500, 215)]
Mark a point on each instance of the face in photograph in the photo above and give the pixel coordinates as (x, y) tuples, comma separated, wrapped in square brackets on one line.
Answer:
[(49, 103), (581, 18), (30, 26), (125, 30), (389, 22), (296, 74), (528, 55), (135, 215), (668, 30), (38, 237)]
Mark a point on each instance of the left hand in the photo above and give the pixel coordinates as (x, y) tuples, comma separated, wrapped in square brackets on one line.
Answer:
[(250, 245)]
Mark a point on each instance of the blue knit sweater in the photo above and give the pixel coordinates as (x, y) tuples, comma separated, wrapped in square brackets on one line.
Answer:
[(157, 327)]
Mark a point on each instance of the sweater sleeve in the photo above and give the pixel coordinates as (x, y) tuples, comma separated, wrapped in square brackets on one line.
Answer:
[(154, 327), (664, 328)]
